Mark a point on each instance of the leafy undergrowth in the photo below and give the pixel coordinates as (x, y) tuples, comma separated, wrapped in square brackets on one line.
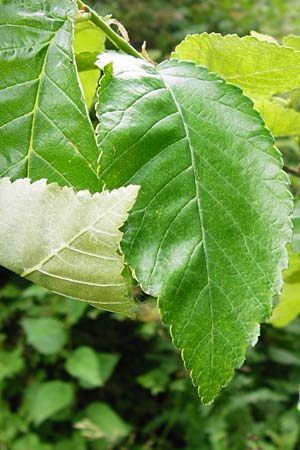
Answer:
[(67, 381)]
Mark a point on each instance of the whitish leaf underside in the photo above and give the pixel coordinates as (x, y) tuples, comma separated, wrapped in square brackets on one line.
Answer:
[(67, 242)]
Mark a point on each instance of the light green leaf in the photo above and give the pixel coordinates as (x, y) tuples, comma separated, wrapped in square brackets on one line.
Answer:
[(89, 42), (47, 399), (292, 41), (296, 222), (46, 335), (281, 121), (75, 310), (260, 68), (11, 363), (32, 442), (101, 421), (76, 443), (67, 242), (289, 305), (207, 233), (91, 368), (44, 124), (156, 380)]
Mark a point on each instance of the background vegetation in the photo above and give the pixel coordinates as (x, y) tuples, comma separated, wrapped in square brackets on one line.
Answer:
[(74, 378)]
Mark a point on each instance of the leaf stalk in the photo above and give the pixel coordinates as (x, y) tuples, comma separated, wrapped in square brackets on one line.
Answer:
[(114, 38)]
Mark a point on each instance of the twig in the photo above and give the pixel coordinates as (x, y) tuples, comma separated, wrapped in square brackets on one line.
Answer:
[(291, 171), (114, 37)]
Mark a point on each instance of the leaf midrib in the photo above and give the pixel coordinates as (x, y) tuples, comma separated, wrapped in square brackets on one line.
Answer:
[(35, 268), (201, 220), (37, 99)]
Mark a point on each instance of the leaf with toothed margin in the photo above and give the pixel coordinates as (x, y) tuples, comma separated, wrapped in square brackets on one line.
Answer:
[(208, 230), (67, 242), (259, 67), (45, 130)]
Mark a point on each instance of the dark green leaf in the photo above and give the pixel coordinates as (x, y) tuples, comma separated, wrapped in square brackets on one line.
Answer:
[(208, 230), (45, 128)]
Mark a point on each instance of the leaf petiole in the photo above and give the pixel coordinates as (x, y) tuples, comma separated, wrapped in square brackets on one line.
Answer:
[(114, 38)]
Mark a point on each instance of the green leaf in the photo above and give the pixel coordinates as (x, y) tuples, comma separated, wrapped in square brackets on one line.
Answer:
[(91, 368), (67, 242), (281, 121), (296, 222), (89, 42), (45, 127), (292, 41), (31, 442), (47, 399), (259, 67), (76, 443), (208, 230), (75, 310), (289, 305), (100, 421), (156, 380), (46, 335), (11, 363)]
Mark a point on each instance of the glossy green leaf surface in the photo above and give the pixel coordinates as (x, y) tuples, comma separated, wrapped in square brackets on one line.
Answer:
[(67, 242), (280, 120), (45, 130), (259, 67), (203, 236)]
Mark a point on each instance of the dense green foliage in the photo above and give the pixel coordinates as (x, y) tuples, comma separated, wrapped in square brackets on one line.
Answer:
[(124, 382)]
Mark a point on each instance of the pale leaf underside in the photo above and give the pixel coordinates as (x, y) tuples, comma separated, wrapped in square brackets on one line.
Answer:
[(208, 230), (67, 242)]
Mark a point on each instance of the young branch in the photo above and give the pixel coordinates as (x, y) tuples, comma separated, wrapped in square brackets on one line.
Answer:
[(291, 171), (114, 38)]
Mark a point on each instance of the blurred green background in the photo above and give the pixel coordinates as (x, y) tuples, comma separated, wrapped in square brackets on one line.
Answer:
[(72, 378)]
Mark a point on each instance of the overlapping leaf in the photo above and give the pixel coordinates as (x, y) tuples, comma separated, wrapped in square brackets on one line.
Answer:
[(280, 120), (259, 67), (45, 130), (89, 42), (289, 305), (208, 230), (66, 242)]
